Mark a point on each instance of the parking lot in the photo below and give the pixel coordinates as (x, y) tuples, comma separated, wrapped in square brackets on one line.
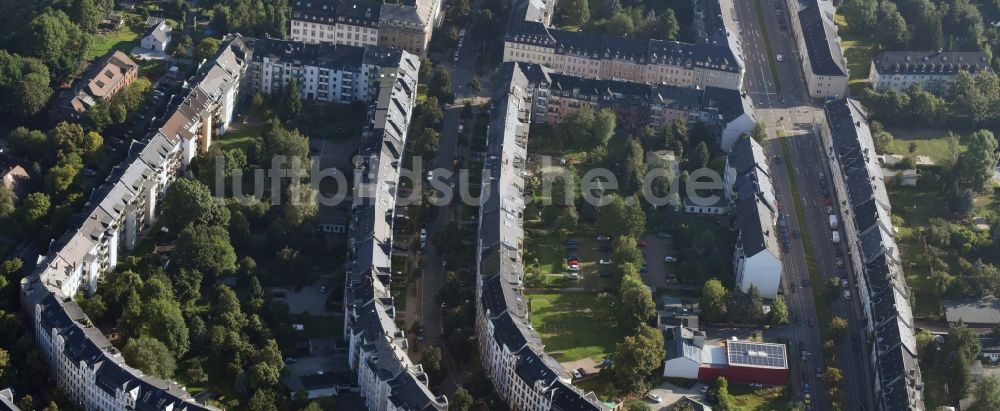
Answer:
[(669, 395), (308, 299)]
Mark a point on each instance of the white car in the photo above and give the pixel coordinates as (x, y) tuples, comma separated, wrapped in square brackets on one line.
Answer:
[(576, 374), (606, 262), (653, 397), (669, 259), (780, 58)]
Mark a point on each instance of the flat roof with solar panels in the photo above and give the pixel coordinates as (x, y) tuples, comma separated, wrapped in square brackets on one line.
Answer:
[(755, 354)]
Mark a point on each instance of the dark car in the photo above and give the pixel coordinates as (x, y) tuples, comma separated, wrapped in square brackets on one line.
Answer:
[(606, 274)]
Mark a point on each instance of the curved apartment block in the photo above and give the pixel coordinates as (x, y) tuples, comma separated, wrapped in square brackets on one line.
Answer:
[(512, 352), (91, 370), (85, 365)]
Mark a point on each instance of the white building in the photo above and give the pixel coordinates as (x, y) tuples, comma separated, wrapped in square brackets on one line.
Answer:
[(748, 187), (935, 71), (685, 352), (85, 365), (819, 49), (406, 25), (156, 37), (512, 353)]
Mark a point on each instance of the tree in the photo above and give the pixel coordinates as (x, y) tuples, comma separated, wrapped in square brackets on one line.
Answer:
[(461, 400), (207, 250), (636, 405), (975, 166), (893, 32), (700, 156), (190, 202), (668, 25), (187, 288), (293, 99), (636, 357), (621, 24), (612, 7), (181, 46), (34, 207), (430, 358), (31, 144), (957, 373), (150, 355), (603, 127), (626, 251), (55, 40), (635, 166), (635, 302), (987, 394), (263, 400), (206, 48), (4, 363), (779, 311), (713, 300), (832, 377), (861, 13), (576, 12), (881, 137), (962, 339), (759, 132), (617, 218), (756, 313), (33, 92), (968, 101), (721, 390), (440, 86), (7, 206), (838, 328)]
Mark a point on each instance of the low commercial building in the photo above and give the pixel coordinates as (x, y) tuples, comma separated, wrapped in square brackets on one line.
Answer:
[(7, 400), (744, 362), (874, 256), (512, 352), (935, 71), (819, 50), (100, 82), (978, 313), (555, 96), (406, 25), (714, 61)]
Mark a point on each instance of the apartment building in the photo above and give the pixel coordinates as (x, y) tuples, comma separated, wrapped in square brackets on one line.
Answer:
[(325, 72), (819, 49), (935, 71), (377, 348), (874, 256), (555, 96), (750, 195), (85, 365), (406, 25), (100, 82), (7, 400), (715, 61), (512, 352)]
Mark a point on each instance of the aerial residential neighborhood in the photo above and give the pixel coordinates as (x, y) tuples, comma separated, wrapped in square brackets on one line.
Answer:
[(283, 205)]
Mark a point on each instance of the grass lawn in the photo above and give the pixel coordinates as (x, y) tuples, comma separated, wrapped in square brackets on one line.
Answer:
[(858, 50), (601, 385), (911, 203), (936, 148), (239, 138), (747, 398), (568, 326), (124, 40)]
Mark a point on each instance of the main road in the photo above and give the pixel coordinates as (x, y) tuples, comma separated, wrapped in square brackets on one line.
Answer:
[(786, 107)]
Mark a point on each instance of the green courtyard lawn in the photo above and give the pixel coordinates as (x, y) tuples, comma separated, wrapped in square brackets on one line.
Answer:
[(124, 40), (748, 398), (858, 50), (239, 136), (569, 328)]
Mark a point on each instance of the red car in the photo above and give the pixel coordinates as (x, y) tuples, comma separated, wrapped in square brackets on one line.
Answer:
[(642, 243)]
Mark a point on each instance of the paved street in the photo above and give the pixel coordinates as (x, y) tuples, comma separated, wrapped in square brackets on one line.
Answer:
[(786, 107)]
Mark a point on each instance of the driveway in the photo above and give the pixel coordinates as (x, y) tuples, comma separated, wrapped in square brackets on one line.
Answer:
[(670, 394), (656, 249)]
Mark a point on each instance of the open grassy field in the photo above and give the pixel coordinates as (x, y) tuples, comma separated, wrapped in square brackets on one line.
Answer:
[(568, 327), (239, 138), (937, 149), (858, 50), (124, 40), (747, 398)]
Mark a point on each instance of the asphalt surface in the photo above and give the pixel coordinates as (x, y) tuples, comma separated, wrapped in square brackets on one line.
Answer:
[(786, 106)]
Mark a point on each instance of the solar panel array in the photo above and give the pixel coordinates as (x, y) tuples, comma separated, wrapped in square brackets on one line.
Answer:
[(751, 354)]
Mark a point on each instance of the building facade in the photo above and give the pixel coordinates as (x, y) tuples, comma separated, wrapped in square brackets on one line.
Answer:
[(874, 256), (636, 105), (819, 50), (156, 37), (100, 83), (407, 25), (935, 71), (750, 194), (85, 365), (714, 62)]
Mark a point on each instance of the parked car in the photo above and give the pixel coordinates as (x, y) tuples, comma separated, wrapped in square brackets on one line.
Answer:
[(603, 237), (290, 360), (653, 397), (89, 172), (662, 234), (642, 244), (576, 374), (605, 261), (606, 274), (582, 371), (644, 269), (669, 259)]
